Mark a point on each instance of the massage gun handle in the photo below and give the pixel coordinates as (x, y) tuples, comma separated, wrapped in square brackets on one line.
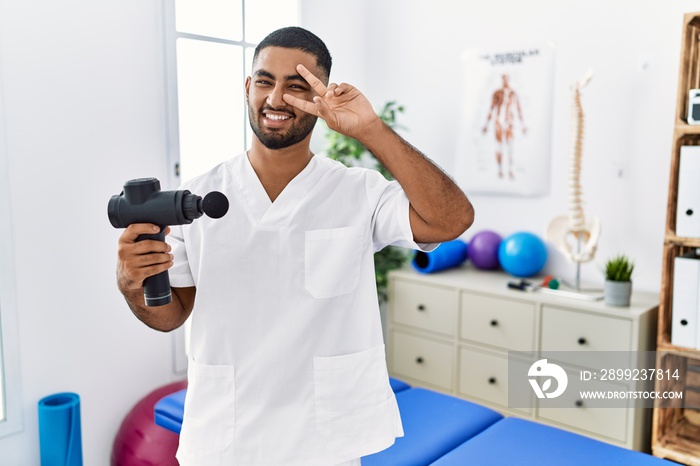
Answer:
[(156, 288)]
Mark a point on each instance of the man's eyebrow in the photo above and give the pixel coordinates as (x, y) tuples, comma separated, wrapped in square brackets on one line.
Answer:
[(295, 77), (289, 77), (264, 73)]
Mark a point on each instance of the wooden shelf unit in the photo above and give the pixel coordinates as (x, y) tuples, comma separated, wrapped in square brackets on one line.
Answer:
[(676, 429)]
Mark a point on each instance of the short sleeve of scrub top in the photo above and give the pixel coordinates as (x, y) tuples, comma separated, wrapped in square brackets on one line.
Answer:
[(180, 273), (391, 220)]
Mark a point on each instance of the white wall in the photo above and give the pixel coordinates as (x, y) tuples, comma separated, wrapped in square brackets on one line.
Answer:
[(84, 109), (410, 52)]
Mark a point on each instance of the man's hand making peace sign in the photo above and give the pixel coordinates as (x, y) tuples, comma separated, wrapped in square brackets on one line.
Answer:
[(344, 108)]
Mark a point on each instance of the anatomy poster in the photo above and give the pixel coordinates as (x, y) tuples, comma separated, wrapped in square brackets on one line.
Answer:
[(505, 127)]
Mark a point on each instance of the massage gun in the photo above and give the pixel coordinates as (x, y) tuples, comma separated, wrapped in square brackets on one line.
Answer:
[(142, 201)]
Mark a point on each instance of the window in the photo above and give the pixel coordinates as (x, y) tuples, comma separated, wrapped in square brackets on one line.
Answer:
[(10, 402), (209, 53), (210, 45)]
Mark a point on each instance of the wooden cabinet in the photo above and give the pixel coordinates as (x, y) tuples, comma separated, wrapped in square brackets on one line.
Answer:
[(676, 430), (453, 331)]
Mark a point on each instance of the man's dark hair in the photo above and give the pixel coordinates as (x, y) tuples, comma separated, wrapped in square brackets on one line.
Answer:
[(294, 37)]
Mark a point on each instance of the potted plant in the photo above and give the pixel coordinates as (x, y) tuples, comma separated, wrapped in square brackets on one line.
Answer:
[(618, 280), (350, 152)]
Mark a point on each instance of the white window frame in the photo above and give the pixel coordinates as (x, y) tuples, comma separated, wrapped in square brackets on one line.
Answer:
[(10, 392)]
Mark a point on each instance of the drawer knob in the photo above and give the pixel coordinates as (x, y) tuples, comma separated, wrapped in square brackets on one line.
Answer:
[(684, 322), (579, 403), (419, 360), (492, 380), (494, 323), (582, 341), (421, 307)]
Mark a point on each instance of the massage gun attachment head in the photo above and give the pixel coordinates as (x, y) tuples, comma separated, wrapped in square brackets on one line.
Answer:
[(215, 204), (142, 201)]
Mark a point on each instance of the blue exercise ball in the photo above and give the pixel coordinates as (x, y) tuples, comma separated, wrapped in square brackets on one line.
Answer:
[(522, 254)]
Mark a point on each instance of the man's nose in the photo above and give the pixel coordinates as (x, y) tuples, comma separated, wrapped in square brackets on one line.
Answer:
[(274, 98)]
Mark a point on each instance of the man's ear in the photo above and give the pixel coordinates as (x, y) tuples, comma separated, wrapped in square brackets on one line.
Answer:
[(247, 88)]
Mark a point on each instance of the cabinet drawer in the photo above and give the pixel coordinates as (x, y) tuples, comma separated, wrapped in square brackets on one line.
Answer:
[(425, 307), (567, 330), (606, 422), (425, 360), (484, 376), (498, 322)]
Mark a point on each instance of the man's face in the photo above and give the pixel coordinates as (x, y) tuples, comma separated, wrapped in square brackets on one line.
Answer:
[(275, 123)]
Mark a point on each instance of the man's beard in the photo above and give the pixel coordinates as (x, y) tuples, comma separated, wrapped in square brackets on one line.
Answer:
[(275, 140)]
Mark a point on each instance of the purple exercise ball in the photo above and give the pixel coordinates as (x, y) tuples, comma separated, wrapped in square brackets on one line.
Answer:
[(483, 250)]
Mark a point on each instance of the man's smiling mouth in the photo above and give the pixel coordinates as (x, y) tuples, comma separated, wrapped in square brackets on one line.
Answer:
[(274, 117)]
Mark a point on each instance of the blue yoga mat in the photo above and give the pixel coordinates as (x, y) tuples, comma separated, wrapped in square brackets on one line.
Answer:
[(59, 430), (447, 255)]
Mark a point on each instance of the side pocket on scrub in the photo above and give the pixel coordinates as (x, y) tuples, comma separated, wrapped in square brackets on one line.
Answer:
[(210, 408), (332, 260), (352, 393)]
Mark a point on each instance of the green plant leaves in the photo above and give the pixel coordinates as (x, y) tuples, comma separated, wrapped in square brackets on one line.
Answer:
[(619, 269)]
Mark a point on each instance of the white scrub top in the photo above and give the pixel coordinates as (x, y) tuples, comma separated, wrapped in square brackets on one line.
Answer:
[(287, 364)]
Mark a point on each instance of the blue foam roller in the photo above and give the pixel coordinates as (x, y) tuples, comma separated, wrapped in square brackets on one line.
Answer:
[(447, 255), (60, 440)]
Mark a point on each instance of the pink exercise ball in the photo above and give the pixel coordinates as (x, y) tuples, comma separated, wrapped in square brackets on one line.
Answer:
[(140, 441)]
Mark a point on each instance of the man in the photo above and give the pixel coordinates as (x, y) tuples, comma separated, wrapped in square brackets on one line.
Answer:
[(286, 352), (504, 102)]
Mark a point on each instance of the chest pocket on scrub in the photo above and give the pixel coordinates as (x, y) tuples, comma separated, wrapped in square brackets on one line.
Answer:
[(332, 260)]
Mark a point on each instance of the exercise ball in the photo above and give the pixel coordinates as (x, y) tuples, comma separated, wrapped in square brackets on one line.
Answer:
[(522, 254), (483, 250), (140, 441)]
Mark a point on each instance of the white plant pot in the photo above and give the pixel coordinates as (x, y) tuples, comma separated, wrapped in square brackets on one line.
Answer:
[(618, 293)]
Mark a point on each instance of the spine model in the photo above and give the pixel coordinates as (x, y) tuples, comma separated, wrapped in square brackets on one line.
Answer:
[(571, 234)]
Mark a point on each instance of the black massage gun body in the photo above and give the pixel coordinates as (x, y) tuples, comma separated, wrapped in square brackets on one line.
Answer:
[(156, 288), (142, 201)]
